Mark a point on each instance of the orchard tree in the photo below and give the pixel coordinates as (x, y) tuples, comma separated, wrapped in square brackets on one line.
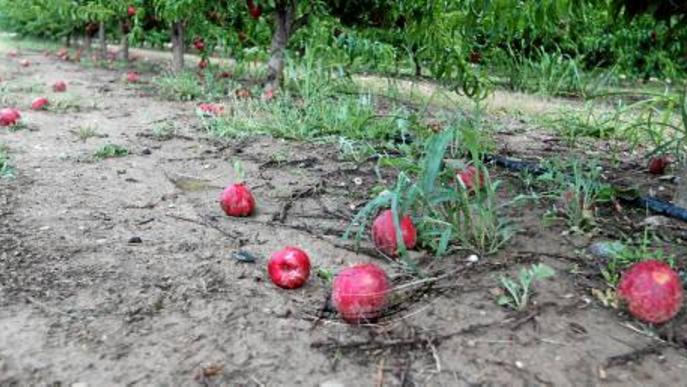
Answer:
[(125, 11), (284, 26), (100, 12), (182, 14)]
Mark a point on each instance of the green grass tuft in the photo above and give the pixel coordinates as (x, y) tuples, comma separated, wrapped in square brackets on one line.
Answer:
[(110, 151)]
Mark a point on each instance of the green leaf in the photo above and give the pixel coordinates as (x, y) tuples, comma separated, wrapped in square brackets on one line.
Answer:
[(542, 271), (435, 151)]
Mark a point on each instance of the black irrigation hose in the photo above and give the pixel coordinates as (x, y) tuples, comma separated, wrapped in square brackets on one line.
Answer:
[(516, 165), (651, 203), (660, 207)]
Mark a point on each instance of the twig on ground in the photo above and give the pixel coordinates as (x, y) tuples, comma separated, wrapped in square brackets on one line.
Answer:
[(633, 356)]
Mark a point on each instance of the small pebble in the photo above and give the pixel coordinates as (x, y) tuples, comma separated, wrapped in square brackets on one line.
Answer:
[(135, 240), (146, 151), (606, 249), (473, 258)]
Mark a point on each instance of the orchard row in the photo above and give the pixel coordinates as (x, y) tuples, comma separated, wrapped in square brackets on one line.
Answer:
[(455, 42)]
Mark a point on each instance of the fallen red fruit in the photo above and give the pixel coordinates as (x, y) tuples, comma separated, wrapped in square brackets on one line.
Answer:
[(59, 87), (652, 291), (63, 54), (131, 11), (359, 293), (243, 93), (133, 77), (203, 63), (289, 268), (237, 200), (9, 116), (199, 44), (25, 63), (39, 103), (211, 108), (384, 233), (225, 74), (469, 177), (268, 95), (658, 165), (12, 54)]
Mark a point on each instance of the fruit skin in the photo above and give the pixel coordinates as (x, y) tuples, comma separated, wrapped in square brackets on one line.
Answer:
[(131, 11), (133, 77), (211, 108), (467, 176), (384, 233), (268, 95), (59, 87), (289, 268), (203, 63), (360, 293), (63, 54), (39, 103), (237, 200), (9, 116), (658, 165), (652, 291)]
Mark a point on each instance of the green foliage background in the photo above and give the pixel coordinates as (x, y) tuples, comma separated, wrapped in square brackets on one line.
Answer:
[(449, 40)]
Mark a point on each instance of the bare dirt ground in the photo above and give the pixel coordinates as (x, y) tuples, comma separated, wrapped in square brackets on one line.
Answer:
[(79, 303)]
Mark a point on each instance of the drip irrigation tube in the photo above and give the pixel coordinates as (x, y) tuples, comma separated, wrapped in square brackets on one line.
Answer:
[(651, 203)]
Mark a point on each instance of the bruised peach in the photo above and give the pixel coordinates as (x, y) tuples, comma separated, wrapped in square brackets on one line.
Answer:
[(237, 200), (360, 293), (289, 268), (652, 291), (384, 233)]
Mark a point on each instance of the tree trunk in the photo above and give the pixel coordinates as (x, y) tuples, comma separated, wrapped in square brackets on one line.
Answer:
[(87, 42), (124, 50), (124, 44), (413, 50), (103, 41), (283, 23), (177, 46)]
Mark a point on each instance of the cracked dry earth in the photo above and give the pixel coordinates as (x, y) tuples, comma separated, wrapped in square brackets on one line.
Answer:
[(80, 304)]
